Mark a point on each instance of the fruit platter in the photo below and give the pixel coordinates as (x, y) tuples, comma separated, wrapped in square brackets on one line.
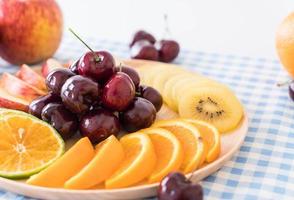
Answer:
[(108, 128)]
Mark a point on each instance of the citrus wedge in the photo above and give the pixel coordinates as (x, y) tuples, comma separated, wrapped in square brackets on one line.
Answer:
[(191, 141), (27, 144), (211, 137), (78, 156), (139, 162), (168, 151), (109, 155)]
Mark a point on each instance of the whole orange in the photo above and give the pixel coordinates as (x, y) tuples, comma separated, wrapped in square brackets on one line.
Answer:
[(285, 43)]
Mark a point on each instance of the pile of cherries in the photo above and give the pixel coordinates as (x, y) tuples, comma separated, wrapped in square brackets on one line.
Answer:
[(144, 46), (175, 186), (97, 98)]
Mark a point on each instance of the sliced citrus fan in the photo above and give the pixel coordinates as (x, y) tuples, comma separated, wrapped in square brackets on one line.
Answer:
[(78, 156), (210, 136), (190, 138), (168, 151), (109, 155), (27, 144), (139, 162)]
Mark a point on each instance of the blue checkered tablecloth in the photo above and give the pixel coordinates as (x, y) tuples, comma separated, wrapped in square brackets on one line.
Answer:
[(264, 166)]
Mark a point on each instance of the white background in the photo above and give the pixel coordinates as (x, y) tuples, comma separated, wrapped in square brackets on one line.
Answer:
[(242, 27)]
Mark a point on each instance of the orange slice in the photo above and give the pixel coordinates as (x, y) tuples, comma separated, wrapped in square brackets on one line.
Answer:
[(27, 144), (66, 166), (211, 137), (168, 151), (109, 155), (191, 141), (139, 162)]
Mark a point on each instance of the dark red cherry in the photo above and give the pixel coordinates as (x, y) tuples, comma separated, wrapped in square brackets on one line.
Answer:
[(142, 35), (168, 50), (79, 93), (36, 106), (74, 67), (291, 90), (98, 125), (133, 74), (118, 92), (175, 186), (65, 122), (140, 114), (151, 95), (97, 65), (57, 78), (143, 49)]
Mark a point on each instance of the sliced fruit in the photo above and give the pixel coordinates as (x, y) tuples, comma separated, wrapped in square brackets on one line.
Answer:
[(190, 139), (167, 89), (216, 105), (9, 101), (77, 157), (168, 151), (50, 65), (27, 144), (31, 77), (211, 137), (139, 162), (109, 155), (160, 79), (19, 88)]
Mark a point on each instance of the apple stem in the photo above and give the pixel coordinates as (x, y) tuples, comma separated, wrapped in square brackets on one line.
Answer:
[(285, 83), (120, 67), (97, 58)]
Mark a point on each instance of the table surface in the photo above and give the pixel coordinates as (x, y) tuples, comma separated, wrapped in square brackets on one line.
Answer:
[(263, 168), (232, 42)]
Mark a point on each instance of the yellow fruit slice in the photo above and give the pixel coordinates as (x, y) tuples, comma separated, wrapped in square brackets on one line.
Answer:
[(192, 84), (161, 77), (139, 162), (211, 137), (190, 139), (216, 105), (168, 151), (78, 156), (108, 157), (27, 144), (167, 89)]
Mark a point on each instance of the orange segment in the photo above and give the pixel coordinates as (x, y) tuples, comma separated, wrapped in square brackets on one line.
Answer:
[(191, 141), (139, 162), (168, 151), (211, 137), (109, 155), (27, 144), (66, 166)]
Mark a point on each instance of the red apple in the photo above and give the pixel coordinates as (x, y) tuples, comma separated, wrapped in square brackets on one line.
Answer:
[(28, 75), (30, 30), (49, 65), (18, 88), (11, 102)]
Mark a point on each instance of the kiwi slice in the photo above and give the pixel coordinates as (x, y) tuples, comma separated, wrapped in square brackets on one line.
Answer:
[(216, 105)]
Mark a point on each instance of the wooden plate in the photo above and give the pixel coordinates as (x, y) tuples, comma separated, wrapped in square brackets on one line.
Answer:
[(230, 143)]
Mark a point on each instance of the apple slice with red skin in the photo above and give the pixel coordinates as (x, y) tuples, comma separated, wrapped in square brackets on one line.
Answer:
[(28, 75), (50, 65), (11, 102), (18, 88)]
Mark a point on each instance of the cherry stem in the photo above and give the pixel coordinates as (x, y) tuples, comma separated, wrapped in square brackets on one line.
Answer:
[(97, 58), (285, 83), (166, 26)]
